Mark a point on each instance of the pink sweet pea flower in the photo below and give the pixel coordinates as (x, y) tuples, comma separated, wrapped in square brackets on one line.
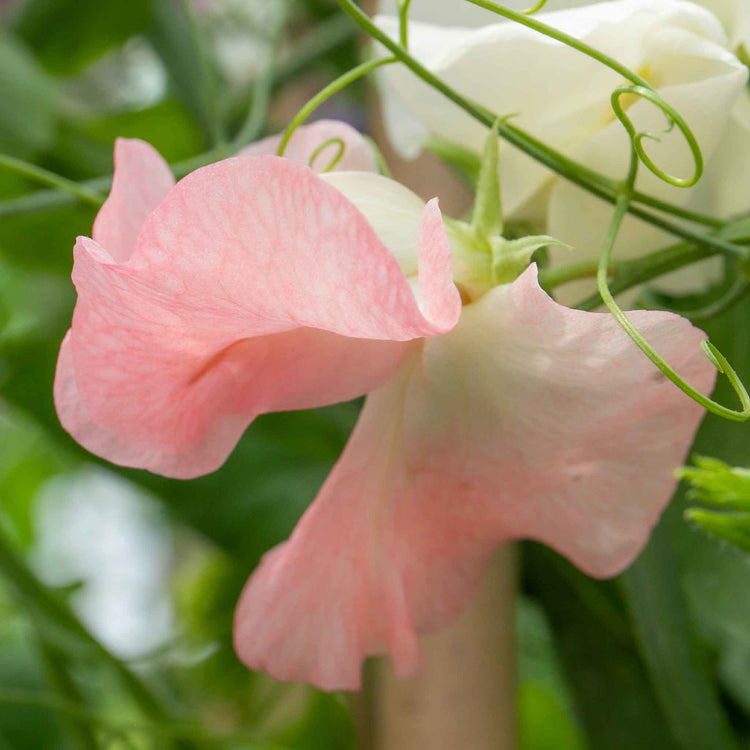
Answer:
[(255, 285)]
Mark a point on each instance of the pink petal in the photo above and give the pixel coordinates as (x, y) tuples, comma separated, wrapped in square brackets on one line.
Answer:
[(141, 181), (212, 321), (358, 156), (528, 420)]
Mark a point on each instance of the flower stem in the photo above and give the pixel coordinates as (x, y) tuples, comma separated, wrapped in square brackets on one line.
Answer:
[(465, 694), (83, 191), (62, 683)]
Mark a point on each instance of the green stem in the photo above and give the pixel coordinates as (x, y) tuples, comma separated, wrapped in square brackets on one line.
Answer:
[(46, 200), (677, 661), (81, 191), (626, 274), (403, 22), (570, 41), (62, 683), (316, 46), (41, 599), (588, 179), (525, 19)]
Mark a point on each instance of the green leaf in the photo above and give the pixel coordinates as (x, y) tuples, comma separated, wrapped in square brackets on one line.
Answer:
[(26, 461), (546, 720), (715, 574), (612, 693), (712, 482), (68, 34), (175, 38), (167, 126), (545, 725), (732, 527), (677, 660), (29, 101), (24, 726), (44, 241), (326, 725)]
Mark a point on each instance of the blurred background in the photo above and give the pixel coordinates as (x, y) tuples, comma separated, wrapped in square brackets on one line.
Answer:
[(117, 587)]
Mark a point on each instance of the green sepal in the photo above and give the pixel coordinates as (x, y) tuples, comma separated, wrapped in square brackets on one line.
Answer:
[(510, 257), (487, 219), (732, 527), (712, 482)]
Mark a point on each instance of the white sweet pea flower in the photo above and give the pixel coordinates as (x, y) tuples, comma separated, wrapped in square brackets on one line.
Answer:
[(462, 13), (563, 98), (735, 15)]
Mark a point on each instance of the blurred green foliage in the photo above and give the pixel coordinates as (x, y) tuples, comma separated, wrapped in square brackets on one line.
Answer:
[(66, 35), (629, 664)]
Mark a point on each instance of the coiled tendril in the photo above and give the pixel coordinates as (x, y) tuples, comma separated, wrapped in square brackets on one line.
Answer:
[(341, 148), (535, 9), (624, 196), (636, 138)]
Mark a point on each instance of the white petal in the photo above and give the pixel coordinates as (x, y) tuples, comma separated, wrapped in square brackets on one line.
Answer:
[(702, 82), (391, 209), (512, 69)]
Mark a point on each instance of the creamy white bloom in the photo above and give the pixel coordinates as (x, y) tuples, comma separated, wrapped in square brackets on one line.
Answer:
[(734, 14), (563, 98)]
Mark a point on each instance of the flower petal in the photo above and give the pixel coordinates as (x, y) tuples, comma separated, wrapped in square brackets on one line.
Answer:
[(141, 181), (451, 13), (544, 92), (528, 420), (358, 156), (391, 209), (212, 321), (715, 83)]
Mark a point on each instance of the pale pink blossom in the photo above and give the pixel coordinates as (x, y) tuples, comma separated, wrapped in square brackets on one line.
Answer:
[(256, 285)]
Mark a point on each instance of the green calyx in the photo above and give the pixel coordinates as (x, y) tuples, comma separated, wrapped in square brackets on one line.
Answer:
[(483, 258), (487, 217), (510, 257)]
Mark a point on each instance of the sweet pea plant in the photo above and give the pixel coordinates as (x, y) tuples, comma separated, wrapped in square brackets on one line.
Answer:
[(534, 370)]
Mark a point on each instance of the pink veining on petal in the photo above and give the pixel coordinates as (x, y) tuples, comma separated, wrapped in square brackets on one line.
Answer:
[(141, 181), (358, 156), (528, 420), (441, 300), (254, 287)]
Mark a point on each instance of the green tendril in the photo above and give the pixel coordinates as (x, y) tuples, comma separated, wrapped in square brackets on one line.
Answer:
[(322, 96), (341, 148), (624, 195), (713, 354), (595, 183), (535, 9), (673, 118), (403, 22), (640, 88), (570, 41)]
